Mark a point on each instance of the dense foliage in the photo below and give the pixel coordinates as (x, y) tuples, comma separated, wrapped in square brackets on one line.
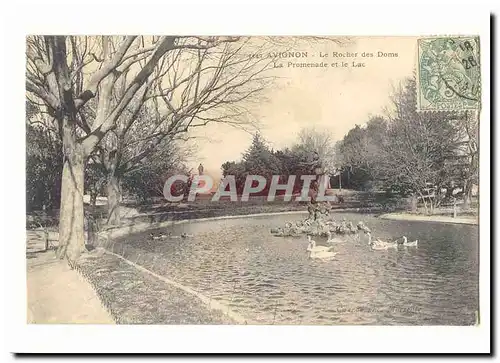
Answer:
[(43, 168), (260, 159), (425, 154), (147, 179)]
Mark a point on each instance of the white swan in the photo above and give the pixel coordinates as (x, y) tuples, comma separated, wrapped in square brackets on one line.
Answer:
[(324, 256), (159, 236), (409, 244), (333, 239), (319, 252), (312, 246), (378, 244), (379, 247)]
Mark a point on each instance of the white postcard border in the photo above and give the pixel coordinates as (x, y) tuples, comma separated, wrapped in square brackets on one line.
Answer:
[(299, 18)]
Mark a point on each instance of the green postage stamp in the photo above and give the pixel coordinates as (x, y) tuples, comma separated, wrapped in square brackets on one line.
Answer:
[(448, 74)]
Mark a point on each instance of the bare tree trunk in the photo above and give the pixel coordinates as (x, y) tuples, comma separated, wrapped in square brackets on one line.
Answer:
[(46, 238), (95, 190), (414, 203), (92, 229), (114, 198), (467, 195), (438, 200), (71, 228), (425, 203), (93, 199)]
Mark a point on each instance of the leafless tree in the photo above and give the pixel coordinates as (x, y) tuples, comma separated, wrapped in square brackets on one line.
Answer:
[(65, 73), (189, 88), (318, 140), (120, 74), (467, 153)]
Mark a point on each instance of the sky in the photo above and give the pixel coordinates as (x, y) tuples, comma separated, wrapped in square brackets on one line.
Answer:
[(332, 98)]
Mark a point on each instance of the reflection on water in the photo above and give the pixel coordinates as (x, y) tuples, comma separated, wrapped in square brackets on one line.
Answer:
[(271, 280)]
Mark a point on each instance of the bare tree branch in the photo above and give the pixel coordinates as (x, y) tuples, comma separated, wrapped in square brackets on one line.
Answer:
[(107, 68)]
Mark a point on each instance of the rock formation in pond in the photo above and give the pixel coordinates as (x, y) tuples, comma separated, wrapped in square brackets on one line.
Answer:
[(318, 223)]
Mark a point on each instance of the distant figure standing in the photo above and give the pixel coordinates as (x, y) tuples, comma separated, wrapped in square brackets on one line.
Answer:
[(315, 166), (319, 170), (90, 224), (200, 169)]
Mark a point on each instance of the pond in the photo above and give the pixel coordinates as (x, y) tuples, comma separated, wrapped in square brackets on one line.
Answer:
[(271, 280)]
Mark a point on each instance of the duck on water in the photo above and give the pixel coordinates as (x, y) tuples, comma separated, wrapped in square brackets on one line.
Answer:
[(168, 235), (379, 244)]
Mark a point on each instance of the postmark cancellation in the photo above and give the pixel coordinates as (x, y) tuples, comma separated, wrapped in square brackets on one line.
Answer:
[(448, 74)]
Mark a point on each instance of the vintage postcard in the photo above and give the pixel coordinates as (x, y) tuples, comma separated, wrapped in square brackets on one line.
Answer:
[(253, 180), (232, 180)]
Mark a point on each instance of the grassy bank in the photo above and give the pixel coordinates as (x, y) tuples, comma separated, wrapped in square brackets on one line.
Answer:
[(134, 297)]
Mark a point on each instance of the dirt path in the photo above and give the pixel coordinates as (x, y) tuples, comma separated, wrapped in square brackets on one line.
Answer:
[(57, 294), (435, 218)]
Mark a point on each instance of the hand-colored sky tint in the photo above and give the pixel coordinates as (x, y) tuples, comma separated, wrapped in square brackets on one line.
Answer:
[(332, 98)]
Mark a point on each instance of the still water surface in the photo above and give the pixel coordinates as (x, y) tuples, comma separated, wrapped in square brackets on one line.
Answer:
[(270, 279)]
